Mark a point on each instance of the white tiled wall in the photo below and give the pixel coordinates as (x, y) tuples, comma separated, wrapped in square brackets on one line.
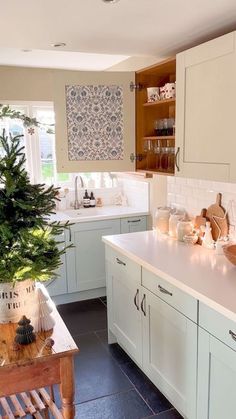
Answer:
[(194, 194), (137, 192)]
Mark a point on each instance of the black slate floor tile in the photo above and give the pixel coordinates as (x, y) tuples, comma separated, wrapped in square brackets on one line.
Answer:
[(169, 414), (126, 405), (96, 372), (84, 316), (154, 398)]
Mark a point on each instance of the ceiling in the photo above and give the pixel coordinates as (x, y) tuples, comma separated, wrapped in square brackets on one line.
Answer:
[(128, 28)]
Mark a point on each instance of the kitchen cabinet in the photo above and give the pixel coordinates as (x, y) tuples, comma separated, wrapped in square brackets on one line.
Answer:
[(83, 265), (170, 353), (205, 110), (123, 291), (101, 121), (58, 284), (133, 224), (86, 260), (154, 149), (216, 378), (140, 153), (159, 338), (216, 365)]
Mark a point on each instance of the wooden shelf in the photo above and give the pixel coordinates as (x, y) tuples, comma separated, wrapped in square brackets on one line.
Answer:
[(163, 137), (153, 171), (160, 102)]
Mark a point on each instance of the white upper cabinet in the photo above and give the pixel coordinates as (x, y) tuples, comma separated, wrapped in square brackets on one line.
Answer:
[(205, 110), (95, 121)]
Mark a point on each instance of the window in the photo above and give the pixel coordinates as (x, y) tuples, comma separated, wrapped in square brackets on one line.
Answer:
[(40, 148)]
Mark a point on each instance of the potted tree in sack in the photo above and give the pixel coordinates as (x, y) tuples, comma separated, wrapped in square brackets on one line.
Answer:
[(28, 246)]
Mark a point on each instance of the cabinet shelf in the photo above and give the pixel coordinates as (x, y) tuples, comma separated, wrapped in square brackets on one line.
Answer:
[(163, 137), (160, 102)]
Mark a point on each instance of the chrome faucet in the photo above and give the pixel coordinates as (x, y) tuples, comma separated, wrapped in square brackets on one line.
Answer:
[(76, 202)]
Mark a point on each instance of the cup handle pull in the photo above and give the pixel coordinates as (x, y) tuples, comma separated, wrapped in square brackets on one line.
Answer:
[(176, 159)]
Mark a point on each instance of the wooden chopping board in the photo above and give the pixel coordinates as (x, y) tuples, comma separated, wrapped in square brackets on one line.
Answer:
[(200, 220), (219, 222)]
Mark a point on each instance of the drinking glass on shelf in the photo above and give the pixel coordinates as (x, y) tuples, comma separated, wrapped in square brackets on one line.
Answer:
[(158, 127), (164, 158), (165, 127), (170, 125), (157, 152), (171, 160), (148, 149)]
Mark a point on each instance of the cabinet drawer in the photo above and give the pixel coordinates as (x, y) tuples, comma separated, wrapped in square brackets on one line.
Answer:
[(170, 294), (122, 264), (217, 325), (133, 224)]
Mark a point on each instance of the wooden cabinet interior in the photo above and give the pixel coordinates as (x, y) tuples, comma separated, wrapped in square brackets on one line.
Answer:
[(149, 146)]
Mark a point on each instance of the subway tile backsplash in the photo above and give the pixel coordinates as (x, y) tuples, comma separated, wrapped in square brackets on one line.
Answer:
[(194, 194)]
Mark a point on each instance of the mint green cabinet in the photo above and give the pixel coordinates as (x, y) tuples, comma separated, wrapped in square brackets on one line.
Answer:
[(170, 353), (85, 262), (58, 284), (159, 338), (133, 224), (216, 378), (123, 299)]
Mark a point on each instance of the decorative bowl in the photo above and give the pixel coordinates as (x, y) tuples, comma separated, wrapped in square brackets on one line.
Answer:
[(190, 238), (230, 252)]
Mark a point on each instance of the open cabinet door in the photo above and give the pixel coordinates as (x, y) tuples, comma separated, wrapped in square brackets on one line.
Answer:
[(95, 121)]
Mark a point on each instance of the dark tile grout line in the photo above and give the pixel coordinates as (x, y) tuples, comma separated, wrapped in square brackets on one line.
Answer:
[(158, 414), (105, 304), (106, 349), (127, 377), (107, 395)]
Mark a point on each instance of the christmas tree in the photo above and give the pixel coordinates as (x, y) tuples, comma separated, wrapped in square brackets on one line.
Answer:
[(24, 332), (28, 246)]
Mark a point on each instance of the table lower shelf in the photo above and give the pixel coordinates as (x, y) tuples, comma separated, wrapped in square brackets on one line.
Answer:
[(37, 403)]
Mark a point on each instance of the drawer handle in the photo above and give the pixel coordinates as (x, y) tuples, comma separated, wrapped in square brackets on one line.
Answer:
[(233, 335), (164, 291), (136, 299), (142, 304), (120, 262), (134, 221)]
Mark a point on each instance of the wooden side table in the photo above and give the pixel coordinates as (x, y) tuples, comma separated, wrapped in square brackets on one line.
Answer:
[(24, 374)]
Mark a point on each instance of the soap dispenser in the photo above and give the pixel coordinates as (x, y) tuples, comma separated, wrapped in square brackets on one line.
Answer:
[(92, 200), (86, 199)]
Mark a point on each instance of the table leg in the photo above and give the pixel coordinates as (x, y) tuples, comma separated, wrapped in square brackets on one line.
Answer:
[(67, 387)]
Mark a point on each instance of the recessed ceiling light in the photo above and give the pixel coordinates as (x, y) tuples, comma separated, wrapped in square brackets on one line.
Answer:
[(59, 44), (110, 1), (26, 50)]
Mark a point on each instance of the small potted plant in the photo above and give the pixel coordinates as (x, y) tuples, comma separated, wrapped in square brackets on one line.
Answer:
[(28, 246)]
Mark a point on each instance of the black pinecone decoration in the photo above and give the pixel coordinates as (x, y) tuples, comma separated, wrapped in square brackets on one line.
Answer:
[(24, 333)]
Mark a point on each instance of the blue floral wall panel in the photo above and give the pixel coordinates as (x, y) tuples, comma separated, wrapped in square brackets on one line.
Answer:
[(95, 122)]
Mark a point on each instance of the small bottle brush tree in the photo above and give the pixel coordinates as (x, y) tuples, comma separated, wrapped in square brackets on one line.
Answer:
[(28, 246)]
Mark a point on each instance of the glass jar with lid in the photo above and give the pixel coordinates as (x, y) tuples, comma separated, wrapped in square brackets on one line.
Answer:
[(162, 219)]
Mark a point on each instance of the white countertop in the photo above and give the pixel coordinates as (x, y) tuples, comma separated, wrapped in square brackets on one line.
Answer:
[(201, 273), (95, 214)]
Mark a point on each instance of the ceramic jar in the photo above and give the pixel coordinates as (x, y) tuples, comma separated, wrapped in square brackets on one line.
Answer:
[(184, 228), (173, 221), (162, 219)]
